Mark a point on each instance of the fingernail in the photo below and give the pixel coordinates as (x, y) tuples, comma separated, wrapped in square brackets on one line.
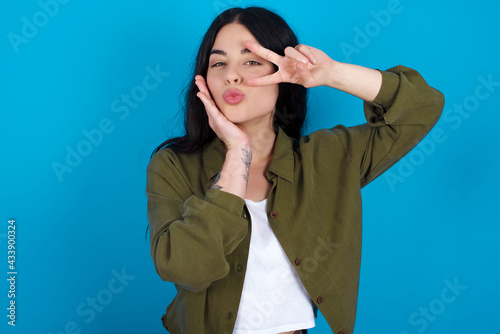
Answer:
[(305, 61)]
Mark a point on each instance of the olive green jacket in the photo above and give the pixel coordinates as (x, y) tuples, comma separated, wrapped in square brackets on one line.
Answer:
[(200, 236)]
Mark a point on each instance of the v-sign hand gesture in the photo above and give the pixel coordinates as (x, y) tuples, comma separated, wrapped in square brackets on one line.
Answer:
[(303, 65)]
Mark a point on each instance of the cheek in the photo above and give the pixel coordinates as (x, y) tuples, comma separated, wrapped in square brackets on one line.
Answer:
[(260, 71), (210, 81), (216, 89), (268, 95), (212, 85)]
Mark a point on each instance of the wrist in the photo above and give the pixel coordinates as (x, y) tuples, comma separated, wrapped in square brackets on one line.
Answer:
[(234, 150), (237, 144), (233, 177), (336, 77)]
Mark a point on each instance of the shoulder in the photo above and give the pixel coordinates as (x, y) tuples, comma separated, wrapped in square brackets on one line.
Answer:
[(162, 158), (327, 136), (167, 160), (338, 142)]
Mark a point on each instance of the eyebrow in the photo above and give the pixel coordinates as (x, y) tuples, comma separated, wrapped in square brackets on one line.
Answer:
[(223, 53)]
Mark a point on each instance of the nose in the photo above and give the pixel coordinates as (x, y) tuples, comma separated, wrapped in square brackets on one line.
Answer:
[(233, 76)]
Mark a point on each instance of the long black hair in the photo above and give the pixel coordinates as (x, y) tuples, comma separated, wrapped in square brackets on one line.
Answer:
[(272, 32)]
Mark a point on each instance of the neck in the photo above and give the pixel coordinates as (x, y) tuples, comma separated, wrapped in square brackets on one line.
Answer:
[(262, 145), (262, 137)]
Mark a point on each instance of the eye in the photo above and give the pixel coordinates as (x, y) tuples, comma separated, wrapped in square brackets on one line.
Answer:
[(217, 64), (253, 63)]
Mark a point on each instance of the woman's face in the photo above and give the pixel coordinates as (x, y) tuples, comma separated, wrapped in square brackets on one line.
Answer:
[(230, 66)]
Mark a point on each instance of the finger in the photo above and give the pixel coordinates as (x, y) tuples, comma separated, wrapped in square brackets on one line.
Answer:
[(266, 80), (210, 106), (263, 52), (201, 84), (306, 79), (296, 55), (303, 70), (307, 51)]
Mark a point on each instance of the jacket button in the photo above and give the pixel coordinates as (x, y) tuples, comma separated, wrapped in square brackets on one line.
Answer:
[(245, 215), (239, 267), (320, 300), (271, 174), (341, 332), (273, 214), (229, 315), (297, 261)]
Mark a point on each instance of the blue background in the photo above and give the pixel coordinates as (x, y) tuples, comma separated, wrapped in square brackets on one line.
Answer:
[(430, 222)]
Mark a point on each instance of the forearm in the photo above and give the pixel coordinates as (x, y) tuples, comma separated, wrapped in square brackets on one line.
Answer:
[(233, 177), (356, 80), (191, 234)]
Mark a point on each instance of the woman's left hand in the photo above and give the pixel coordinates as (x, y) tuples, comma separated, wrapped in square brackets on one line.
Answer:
[(303, 65)]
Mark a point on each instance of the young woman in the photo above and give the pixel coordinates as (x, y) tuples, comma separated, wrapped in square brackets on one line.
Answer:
[(258, 226)]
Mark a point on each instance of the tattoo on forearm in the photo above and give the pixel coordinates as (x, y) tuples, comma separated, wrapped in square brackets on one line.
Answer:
[(247, 160), (214, 185)]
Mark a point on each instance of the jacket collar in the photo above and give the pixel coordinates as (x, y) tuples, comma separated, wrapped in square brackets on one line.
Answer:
[(282, 163)]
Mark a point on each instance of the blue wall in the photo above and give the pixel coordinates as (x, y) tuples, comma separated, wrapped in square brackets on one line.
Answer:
[(74, 153)]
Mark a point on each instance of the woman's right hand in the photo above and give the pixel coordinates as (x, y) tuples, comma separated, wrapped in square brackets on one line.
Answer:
[(233, 176), (232, 135)]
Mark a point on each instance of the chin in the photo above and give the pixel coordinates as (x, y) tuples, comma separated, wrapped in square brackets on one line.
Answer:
[(233, 113), (236, 120)]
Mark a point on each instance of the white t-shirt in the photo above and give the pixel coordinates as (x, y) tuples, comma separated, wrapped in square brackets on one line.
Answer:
[(273, 298)]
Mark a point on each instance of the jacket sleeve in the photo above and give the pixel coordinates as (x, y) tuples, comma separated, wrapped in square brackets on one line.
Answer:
[(404, 111), (190, 235)]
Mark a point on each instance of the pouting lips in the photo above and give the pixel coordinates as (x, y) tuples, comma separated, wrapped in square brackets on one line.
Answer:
[(233, 96)]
